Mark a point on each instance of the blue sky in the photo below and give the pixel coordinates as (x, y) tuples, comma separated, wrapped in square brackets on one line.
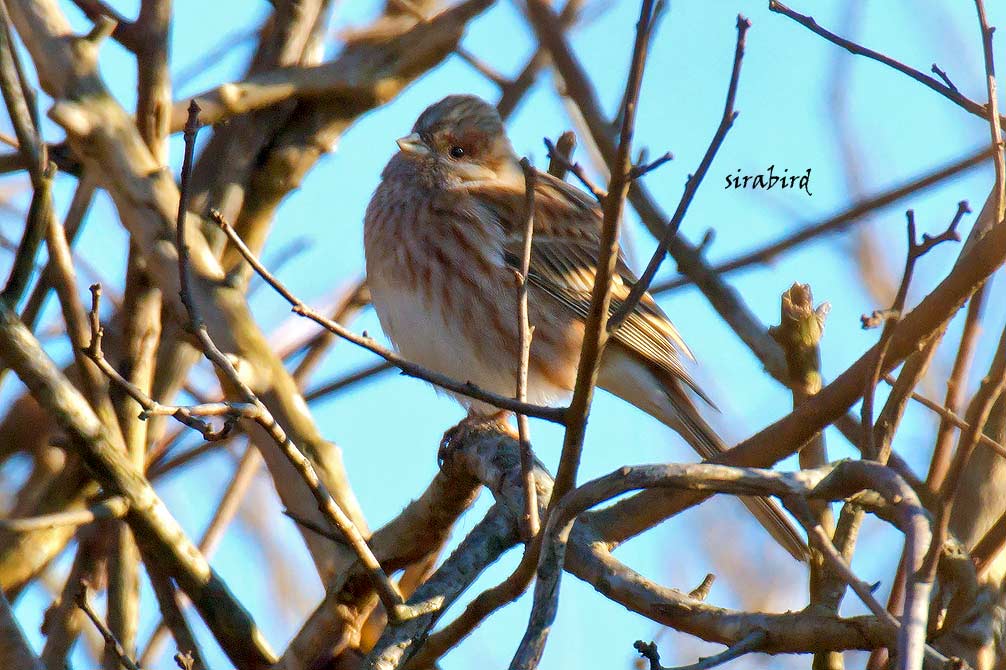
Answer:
[(389, 428)]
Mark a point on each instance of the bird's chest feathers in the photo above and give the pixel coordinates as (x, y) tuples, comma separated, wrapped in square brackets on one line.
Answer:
[(437, 243)]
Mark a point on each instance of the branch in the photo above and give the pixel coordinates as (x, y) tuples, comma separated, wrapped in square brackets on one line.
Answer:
[(149, 519), (23, 111), (328, 82), (838, 222), (578, 88), (799, 333), (146, 199), (553, 414), (829, 483), (691, 186), (559, 154), (992, 111), (114, 507), (342, 382), (15, 652), (979, 409), (889, 318), (419, 531), (244, 473), (939, 463), (563, 164), (111, 643), (746, 645), (189, 416), (494, 459), (531, 522), (946, 91), (482, 547), (595, 332), (173, 619), (257, 411), (952, 419)]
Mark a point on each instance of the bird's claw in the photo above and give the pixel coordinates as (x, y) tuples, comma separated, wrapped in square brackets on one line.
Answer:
[(455, 436)]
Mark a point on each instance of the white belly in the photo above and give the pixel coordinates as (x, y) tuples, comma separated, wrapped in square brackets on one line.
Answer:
[(422, 334)]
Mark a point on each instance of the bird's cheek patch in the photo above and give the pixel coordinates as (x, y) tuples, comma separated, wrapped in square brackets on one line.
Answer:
[(470, 172)]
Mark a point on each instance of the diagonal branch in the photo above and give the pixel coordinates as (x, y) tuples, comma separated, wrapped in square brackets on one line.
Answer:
[(595, 332), (839, 222), (948, 92), (691, 186), (150, 520), (553, 414)]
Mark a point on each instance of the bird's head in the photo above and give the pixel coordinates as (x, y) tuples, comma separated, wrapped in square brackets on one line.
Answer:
[(462, 141)]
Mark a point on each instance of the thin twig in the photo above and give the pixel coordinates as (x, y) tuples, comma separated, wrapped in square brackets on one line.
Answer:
[(640, 169), (978, 412), (561, 161), (951, 94), (186, 415), (992, 112), (939, 463), (245, 472), (167, 597), (342, 382), (110, 642), (890, 318), (952, 419), (943, 75), (747, 644), (839, 222), (531, 523), (23, 111), (512, 93), (990, 546), (595, 333), (563, 150), (480, 608), (553, 414), (257, 411), (692, 185), (315, 527), (112, 508)]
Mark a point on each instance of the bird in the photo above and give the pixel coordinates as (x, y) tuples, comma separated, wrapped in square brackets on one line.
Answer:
[(443, 236)]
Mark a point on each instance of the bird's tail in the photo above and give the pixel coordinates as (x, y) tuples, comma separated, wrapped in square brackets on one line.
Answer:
[(661, 396), (704, 440)]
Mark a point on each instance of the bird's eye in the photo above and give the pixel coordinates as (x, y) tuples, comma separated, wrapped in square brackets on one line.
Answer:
[(457, 152)]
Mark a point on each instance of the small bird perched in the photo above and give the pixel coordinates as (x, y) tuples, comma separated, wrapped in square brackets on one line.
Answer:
[(443, 238)]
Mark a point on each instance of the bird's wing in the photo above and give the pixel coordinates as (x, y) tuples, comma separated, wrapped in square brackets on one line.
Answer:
[(564, 251)]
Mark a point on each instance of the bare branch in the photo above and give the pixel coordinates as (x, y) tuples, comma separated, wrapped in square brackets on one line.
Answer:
[(257, 411), (111, 642), (553, 414), (952, 419), (112, 508), (149, 518), (992, 112), (692, 185), (839, 222), (748, 644), (531, 522), (14, 649), (956, 384), (595, 331), (562, 163), (950, 93), (563, 151), (889, 318)]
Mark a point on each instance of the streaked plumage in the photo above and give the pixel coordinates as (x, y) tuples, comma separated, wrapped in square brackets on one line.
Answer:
[(443, 247)]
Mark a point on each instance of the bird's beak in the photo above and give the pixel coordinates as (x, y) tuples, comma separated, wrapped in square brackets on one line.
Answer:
[(413, 144)]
